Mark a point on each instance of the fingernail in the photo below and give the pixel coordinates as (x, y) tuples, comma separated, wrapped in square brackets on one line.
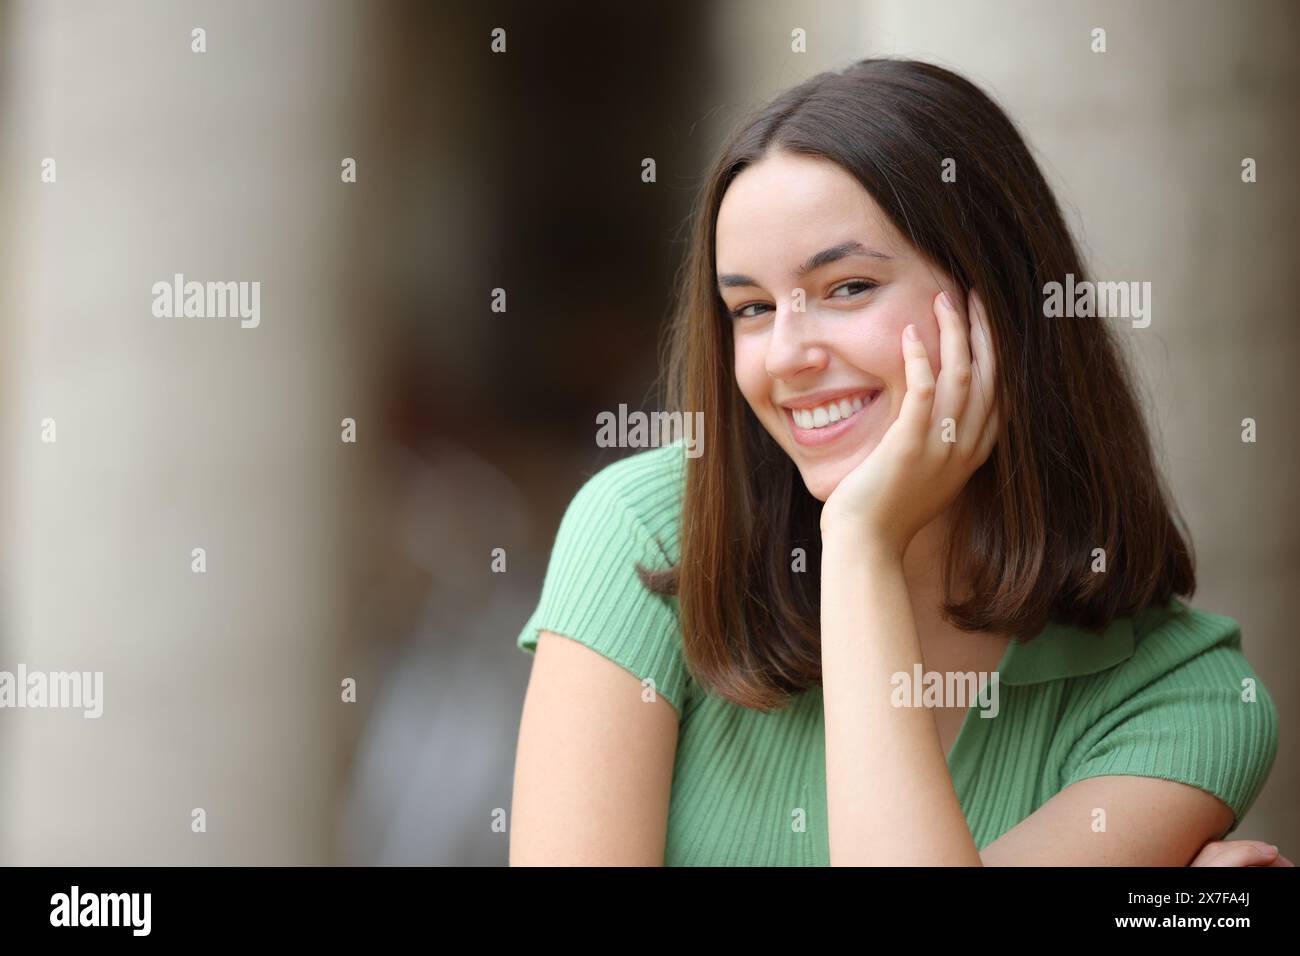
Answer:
[(910, 332), (1268, 850), (947, 302)]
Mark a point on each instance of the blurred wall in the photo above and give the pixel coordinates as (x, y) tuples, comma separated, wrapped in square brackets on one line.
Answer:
[(221, 689)]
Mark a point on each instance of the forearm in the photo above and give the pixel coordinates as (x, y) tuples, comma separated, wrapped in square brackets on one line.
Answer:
[(889, 796)]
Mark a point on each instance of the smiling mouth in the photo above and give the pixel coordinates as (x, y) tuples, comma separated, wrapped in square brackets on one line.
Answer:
[(826, 422)]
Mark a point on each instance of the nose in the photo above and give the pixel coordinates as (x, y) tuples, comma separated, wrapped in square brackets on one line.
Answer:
[(792, 347)]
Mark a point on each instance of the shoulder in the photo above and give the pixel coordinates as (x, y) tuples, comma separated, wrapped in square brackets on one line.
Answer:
[(1183, 654), (624, 518), (1178, 640), (642, 491), (1178, 656), (1188, 626)]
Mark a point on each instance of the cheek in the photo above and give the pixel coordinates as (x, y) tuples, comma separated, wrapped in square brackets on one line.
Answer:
[(874, 345), (887, 336), (751, 370)]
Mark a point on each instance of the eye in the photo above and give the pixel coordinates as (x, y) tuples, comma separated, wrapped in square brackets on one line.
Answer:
[(739, 313), (865, 285)]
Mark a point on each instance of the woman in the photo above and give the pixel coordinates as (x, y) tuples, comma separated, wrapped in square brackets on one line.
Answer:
[(917, 600)]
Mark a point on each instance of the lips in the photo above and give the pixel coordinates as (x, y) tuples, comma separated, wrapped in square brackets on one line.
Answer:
[(810, 418)]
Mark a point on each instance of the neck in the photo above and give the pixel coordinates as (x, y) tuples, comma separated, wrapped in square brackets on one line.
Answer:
[(924, 557)]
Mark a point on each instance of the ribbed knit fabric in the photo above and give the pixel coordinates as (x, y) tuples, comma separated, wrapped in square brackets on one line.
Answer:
[(1158, 695)]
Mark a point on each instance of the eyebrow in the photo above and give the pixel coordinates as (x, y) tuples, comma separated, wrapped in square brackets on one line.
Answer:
[(816, 261)]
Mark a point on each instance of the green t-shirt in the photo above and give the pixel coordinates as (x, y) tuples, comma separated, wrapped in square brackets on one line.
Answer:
[(1161, 694)]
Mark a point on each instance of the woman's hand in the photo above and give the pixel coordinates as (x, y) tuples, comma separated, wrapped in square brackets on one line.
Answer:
[(1240, 853), (942, 434)]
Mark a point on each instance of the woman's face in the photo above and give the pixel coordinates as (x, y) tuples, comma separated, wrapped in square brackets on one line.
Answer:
[(827, 381)]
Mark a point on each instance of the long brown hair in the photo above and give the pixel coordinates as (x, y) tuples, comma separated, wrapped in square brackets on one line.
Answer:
[(1072, 470)]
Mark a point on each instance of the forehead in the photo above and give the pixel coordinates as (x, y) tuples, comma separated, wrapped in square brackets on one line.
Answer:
[(785, 207)]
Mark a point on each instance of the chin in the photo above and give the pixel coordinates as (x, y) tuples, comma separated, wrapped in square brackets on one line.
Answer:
[(820, 482), (822, 478)]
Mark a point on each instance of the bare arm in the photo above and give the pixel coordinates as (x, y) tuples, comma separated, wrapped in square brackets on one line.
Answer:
[(889, 797), (1147, 822), (594, 765)]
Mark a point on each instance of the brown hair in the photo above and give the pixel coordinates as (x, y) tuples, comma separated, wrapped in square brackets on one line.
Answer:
[(1073, 468)]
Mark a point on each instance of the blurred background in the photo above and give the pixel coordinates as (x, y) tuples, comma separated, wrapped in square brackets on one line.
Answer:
[(475, 171)]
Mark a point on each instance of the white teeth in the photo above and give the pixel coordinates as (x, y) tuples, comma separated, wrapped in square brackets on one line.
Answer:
[(824, 415)]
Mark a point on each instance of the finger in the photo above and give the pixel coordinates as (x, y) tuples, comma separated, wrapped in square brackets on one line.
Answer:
[(979, 400), (1236, 853), (1209, 853), (1256, 850), (954, 370), (918, 401), (1229, 856)]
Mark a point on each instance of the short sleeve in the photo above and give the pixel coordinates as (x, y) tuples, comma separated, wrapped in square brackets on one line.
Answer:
[(592, 594), (1208, 723)]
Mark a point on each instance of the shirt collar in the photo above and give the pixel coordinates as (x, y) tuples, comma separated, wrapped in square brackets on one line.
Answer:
[(1062, 651)]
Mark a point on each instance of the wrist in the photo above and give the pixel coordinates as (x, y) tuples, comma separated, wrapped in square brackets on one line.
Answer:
[(860, 542)]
